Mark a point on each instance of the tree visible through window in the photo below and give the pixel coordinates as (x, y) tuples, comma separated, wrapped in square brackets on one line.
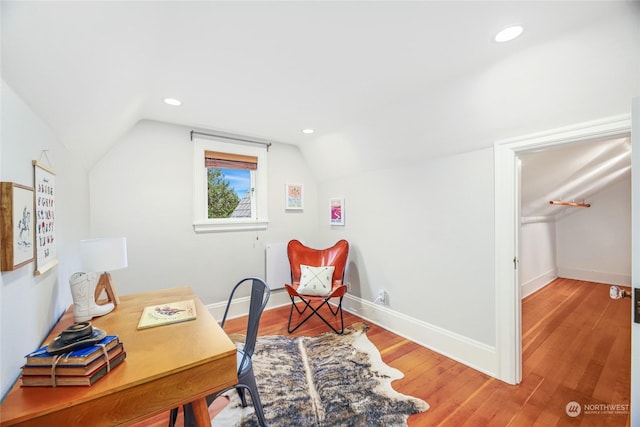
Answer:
[(227, 188), (229, 184)]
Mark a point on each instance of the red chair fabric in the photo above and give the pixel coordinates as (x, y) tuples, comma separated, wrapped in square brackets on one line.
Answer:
[(335, 256)]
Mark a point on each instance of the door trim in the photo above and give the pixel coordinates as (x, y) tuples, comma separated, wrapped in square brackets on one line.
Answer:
[(507, 227)]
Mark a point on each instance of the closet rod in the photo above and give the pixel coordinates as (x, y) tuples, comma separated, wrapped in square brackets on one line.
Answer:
[(578, 205), (230, 137)]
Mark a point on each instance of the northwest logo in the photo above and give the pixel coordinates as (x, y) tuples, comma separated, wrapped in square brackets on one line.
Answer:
[(573, 409)]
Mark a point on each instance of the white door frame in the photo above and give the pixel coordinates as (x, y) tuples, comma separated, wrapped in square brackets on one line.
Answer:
[(507, 227), (635, 261)]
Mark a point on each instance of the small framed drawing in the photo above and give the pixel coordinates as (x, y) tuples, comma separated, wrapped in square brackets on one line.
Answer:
[(337, 211), (294, 194), (16, 223)]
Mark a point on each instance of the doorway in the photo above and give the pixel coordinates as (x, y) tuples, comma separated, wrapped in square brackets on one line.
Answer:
[(507, 226)]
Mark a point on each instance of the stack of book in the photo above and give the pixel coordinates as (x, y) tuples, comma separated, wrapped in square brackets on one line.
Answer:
[(81, 367)]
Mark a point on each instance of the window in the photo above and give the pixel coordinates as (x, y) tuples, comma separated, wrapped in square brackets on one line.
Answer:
[(230, 183), (230, 186)]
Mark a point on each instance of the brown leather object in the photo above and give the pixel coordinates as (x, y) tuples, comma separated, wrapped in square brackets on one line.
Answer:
[(336, 256)]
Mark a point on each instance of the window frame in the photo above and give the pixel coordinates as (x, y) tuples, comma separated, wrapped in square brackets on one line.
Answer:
[(259, 219)]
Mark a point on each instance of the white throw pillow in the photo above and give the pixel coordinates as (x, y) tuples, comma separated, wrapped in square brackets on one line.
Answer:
[(315, 281)]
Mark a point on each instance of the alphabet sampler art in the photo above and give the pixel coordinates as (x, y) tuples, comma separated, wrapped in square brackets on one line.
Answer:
[(45, 224)]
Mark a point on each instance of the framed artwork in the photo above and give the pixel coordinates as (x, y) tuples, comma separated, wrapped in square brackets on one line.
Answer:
[(294, 194), (16, 224), (45, 217), (337, 211)]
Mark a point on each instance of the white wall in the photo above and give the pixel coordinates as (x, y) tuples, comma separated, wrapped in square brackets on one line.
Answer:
[(423, 233), (594, 244), (537, 256), (31, 305), (420, 218), (404, 226), (143, 189)]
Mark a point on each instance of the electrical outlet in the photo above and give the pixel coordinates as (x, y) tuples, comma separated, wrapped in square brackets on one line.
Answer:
[(382, 297)]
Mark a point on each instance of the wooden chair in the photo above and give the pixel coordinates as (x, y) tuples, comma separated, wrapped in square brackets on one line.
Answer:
[(300, 258)]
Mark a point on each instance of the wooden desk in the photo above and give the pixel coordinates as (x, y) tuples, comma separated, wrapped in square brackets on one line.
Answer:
[(166, 366)]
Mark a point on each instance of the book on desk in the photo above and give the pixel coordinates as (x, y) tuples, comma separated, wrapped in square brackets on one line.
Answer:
[(79, 357), (168, 313), (73, 380), (81, 367)]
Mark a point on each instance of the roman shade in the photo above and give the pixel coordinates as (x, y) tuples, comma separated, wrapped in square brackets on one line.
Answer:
[(216, 159)]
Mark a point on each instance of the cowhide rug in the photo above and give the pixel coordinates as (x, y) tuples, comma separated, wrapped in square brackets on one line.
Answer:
[(327, 380)]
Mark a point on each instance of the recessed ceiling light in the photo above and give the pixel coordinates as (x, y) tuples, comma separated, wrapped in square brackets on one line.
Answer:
[(172, 101), (307, 130), (509, 33)]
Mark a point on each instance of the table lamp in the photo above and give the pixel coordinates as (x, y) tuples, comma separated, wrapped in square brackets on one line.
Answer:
[(104, 255)]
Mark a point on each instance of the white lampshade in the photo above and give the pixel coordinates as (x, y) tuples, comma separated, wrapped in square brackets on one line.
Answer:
[(104, 254)]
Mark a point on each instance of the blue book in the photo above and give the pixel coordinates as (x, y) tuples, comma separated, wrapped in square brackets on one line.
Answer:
[(79, 357)]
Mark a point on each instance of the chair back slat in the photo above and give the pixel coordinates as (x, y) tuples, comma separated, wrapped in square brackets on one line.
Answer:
[(260, 293), (246, 381)]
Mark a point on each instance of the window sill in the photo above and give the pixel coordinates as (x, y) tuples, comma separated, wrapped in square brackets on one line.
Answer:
[(221, 226)]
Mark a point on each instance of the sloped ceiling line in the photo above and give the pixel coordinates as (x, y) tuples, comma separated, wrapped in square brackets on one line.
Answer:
[(573, 173)]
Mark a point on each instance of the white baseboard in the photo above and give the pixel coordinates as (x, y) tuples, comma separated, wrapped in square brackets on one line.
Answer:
[(479, 356), (538, 283), (240, 306), (595, 276)]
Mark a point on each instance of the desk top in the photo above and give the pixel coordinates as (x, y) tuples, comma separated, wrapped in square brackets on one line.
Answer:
[(152, 354)]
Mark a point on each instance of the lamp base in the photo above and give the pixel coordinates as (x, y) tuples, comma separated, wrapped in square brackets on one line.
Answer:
[(106, 284)]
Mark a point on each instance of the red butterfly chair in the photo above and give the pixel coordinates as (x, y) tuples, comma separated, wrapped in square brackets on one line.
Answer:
[(335, 256)]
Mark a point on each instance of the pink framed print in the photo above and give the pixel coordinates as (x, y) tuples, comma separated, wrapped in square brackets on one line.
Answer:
[(337, 211)]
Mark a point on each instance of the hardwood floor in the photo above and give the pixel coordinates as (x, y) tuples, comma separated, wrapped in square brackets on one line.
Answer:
[(576, 347)]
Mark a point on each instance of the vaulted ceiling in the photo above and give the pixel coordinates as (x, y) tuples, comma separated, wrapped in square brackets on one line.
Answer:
[(92, 70)]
